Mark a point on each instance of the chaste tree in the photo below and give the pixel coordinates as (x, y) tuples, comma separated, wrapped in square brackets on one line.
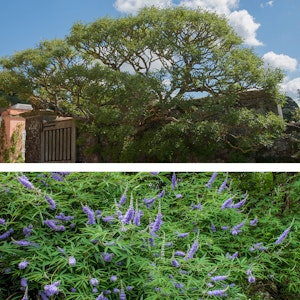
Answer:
[(160, 86)]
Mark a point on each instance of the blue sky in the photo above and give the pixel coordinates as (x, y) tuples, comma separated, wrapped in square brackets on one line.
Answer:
[(270, 27)]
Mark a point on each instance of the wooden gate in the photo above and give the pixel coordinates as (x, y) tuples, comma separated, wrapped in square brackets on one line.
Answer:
[(58, 141)]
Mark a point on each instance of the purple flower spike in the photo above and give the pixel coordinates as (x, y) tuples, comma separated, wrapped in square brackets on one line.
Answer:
[(101, 297), (213, 227), (52, 289), (152, 242), (27, 230), (129, 215), (233, 256), (24, 243), (253, 222), (197, 206), (108, 219), (57, 176), (25, 182), (258, 246), (107, 257), (51, 224), (251, 278), (237, 229), (223, 186), (179, 285), (2, 221), (211, 180), (63, 217), (157, 223), (72, 261), (216, 293), (282, 236), (182, 235), (175, 263), (113, 278), (6, 234), (193, 249), (51, 202), (90, 214), (23, 265), (227, 204), (24, 282), (239, 204), (149, 201), (218, 278), (43, 296), (122, 294), (137, 218), (173, 181), (161, 194), (180, 253), (94, 281), (123, 199)]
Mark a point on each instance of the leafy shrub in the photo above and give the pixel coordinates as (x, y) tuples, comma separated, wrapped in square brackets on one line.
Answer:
[(142, 236)]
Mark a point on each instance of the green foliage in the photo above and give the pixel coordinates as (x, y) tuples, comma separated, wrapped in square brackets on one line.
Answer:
[(141, 255), (290, 110)]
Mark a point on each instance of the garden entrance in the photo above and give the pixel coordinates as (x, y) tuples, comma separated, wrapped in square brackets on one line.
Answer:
[(58, 141), (49, 138)]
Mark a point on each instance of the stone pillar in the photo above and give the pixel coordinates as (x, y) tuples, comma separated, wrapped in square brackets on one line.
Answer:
[(33, 127)]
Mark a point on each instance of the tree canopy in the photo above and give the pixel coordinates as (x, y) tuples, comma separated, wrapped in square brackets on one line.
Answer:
[(157, 86)]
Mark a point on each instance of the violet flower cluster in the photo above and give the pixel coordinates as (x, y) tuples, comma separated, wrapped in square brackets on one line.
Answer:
[(51, 202), (223, 186), (129, 215), (282, 236), (63, 217), (193, 249), (25, 182), (253, 222), (237, 229), (90, 214), (6, 234), (23, 264), (27, 230), (52, 289), (227, 204), (24, 243), (211, 180), (123, 199), (107, 257), (251, 278), (72, 261), (52, 224), (258, 246), (173, 181)]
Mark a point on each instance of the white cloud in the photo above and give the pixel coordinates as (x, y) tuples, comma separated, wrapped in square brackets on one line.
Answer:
[(218, 6), (266, 4), (133, 6), (281, 61), (243, 23), (290, 87)]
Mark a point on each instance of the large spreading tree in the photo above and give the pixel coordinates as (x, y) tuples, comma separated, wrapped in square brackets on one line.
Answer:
[(161, 86)]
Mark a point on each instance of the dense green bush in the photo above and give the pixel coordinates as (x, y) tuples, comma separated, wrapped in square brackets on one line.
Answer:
[(148, 236)]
